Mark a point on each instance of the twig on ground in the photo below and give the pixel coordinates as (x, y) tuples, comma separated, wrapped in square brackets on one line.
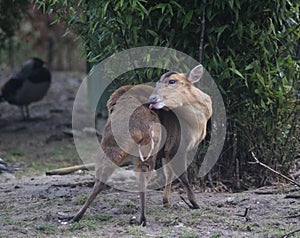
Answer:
[(290, 234), (272, 170), (73, 185), (246, 214), (294, 196), (267, 192), (71, 169), (293, 216)]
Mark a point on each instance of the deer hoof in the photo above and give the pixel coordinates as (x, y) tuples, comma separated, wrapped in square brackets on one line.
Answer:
[(133, 221), (143, 222), (195, 207), (166, 203)]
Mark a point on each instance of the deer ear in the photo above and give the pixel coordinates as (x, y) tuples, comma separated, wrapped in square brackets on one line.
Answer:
[(196, 74)]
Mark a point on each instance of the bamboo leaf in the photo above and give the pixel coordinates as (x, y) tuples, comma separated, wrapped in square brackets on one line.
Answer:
[(238, 73), (104, 9), (230, 2), (170, 9), (187, 19)]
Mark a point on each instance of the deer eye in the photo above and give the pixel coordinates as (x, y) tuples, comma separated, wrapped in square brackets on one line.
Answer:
[(172, 81)]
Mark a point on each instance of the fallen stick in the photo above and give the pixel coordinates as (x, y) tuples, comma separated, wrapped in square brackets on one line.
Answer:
[(290, 234), (68, 170), (272, 170), (293, 216), (294, 196)]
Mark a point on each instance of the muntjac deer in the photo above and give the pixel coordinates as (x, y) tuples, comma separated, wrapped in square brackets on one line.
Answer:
[(184, 112), (176, 104)]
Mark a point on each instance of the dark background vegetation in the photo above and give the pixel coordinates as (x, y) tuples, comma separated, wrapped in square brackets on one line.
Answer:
[(250, 48), (26, 31)]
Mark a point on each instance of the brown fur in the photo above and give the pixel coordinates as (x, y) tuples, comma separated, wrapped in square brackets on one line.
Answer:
[(188, 105)]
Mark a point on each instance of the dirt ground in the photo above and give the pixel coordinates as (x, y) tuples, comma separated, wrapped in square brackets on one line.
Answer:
[(30, 202)]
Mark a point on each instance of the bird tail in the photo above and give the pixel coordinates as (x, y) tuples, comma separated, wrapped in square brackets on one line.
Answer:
[(7, 168)]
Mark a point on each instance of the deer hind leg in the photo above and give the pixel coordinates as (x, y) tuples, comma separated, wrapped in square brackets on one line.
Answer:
[(179, 167), (104, 169), (169, 174), (102, 175), (144, 169), (191, 196)]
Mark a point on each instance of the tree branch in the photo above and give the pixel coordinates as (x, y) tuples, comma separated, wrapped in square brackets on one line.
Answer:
[(272, 170)]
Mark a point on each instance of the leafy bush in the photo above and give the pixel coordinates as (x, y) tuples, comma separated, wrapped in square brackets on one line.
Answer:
[(11, 13), (250, 49)]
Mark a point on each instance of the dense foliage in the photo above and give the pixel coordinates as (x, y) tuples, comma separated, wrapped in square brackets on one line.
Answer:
[(250, 48), (11, 13)]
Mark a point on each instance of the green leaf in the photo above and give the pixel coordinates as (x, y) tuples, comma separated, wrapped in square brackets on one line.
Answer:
[(187, 19), (153, 33), (143, 10), (238, 73), (220, 30), (129, 21), (180, 8), (162, 6), (104, 9), (170, 9), (159, 22), (263, 105), (252, 65)]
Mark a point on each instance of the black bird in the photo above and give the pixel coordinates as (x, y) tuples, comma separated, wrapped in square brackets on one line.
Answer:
[(29, 84)]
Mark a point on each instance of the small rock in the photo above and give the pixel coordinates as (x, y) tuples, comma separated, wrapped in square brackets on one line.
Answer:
[(231, 201)]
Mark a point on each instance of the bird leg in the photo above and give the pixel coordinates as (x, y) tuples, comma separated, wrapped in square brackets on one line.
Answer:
[(25, 112)]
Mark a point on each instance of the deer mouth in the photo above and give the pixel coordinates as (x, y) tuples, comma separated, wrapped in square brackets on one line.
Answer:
[(156, 105)]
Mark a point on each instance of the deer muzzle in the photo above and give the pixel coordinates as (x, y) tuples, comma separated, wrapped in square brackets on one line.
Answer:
[(155, 102)]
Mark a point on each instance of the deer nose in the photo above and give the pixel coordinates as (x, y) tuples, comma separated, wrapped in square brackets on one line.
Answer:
[(153, 98)]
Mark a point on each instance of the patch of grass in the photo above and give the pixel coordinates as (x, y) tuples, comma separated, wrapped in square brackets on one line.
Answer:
[(5, 219), (276, 232), (129, 208), (113, 202), (80, 199), (84, 224), (15, 153), (59, 157), (197, 213), (4, 206), (15, 157), (189, 234), (170, 220), (216, 234), (46, 228), (99, 217), (136, 231), (208, 212), (63, 153)]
